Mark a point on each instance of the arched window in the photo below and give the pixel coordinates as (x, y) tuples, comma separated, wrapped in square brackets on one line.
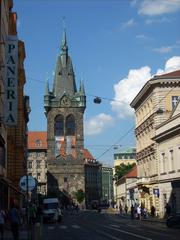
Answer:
[(70, 125), (59, 125)]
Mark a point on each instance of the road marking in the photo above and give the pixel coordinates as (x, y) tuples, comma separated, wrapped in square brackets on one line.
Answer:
[(63, 227), (108, 235), (113, 225), (50, 227), (75, 226), (129, 233)]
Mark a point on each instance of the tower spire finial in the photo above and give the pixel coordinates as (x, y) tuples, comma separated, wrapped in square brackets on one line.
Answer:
[(64, 42)]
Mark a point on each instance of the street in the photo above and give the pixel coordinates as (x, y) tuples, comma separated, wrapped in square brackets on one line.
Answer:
[(91, 225)]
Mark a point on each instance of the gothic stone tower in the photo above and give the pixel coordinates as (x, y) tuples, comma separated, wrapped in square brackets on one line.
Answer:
[(64, 109)]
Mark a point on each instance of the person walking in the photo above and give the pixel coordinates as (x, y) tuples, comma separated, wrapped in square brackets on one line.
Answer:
[(2, 222), (139, 212), (14, 218), (132, 211)]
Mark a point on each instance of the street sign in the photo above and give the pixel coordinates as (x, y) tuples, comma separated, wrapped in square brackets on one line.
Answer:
[(27, 180)]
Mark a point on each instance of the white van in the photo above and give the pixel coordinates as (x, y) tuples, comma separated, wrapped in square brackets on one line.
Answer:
[(51, 210)]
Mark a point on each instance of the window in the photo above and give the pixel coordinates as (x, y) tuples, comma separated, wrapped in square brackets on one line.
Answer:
[(59, 125), (174, 100), (38, 143), (38, 176), (163, 164), (38, 164), (171, 160), (65, 179), (29, 164), (70, 125)]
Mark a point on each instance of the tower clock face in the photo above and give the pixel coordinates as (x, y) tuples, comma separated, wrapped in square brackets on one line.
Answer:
[(65, 102)]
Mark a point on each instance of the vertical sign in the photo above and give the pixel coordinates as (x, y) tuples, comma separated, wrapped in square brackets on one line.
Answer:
[(11, 81)]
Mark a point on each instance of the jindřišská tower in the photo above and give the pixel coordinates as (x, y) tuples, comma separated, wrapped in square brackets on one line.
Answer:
[(64, 109)]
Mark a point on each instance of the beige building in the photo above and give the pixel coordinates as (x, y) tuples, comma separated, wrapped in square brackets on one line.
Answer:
[(153, 105), (168, 140), (37, 159), (126, 189)]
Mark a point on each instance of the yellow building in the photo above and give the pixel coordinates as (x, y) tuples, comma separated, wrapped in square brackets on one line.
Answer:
[(153, 105), (168, 143)]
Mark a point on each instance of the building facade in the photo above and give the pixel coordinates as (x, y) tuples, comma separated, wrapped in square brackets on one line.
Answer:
[(107, 185), (127, 156), (127, 191), (93, 181), (14, 107), (168, 144), (64, 109), (37, 159), (153, 105)]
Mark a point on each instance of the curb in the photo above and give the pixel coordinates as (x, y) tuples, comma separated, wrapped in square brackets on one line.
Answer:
[(144, 219)]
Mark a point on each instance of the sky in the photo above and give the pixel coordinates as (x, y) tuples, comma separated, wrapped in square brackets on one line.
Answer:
[(116, 46)]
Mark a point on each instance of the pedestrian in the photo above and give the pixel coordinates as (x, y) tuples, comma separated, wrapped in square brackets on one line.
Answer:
[(32, 214), (168, 210), (2, 222), (126, 209), (153, 211), (132, 211), (139, 212), (14, 218), (120, 208)]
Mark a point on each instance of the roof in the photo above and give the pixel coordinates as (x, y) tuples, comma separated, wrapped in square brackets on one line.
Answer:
[(132, 173), (37, 140), (87, 155), (173, 74)]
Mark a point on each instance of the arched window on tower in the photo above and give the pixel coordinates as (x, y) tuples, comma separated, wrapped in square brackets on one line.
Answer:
[(70, 125), (59, 125)]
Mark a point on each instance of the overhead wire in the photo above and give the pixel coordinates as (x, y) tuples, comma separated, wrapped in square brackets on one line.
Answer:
[(129, 130)]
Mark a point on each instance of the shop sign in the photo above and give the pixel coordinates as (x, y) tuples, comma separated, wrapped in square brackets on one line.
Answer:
[(156, 192), (11, 81)]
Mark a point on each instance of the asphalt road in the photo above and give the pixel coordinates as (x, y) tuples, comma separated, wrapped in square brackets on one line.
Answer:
[(91, 225)]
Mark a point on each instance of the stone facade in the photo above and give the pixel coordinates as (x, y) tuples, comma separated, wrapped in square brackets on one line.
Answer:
[(153, 105), (64, 109), (168, 143)]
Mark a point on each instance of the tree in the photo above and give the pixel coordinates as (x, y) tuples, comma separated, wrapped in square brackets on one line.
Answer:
[(122, 169), (80, 195)]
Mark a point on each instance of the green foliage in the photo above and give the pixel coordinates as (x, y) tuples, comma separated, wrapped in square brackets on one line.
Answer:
[(122, 169), (80, 195)]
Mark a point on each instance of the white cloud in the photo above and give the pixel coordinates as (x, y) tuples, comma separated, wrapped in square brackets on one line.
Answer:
[(157, 20), (163, 49), (129, 23), (171, 65), (127, 88), (158, 7), (98, 123)]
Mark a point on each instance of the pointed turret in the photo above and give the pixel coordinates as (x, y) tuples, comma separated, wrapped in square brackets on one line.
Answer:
[(47, 88), (64, 79), (81, 89)]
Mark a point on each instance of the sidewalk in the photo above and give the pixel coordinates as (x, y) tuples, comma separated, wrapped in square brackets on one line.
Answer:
[(25, 233), (149, 218)]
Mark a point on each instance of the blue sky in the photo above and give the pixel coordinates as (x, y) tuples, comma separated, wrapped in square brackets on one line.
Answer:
[(115, 46)]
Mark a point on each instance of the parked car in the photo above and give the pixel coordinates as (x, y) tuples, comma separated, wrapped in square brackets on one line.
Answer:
[(51, 210), (173, 221)]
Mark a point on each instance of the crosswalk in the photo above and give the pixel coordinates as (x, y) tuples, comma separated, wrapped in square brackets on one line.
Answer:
[(64, 227)]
